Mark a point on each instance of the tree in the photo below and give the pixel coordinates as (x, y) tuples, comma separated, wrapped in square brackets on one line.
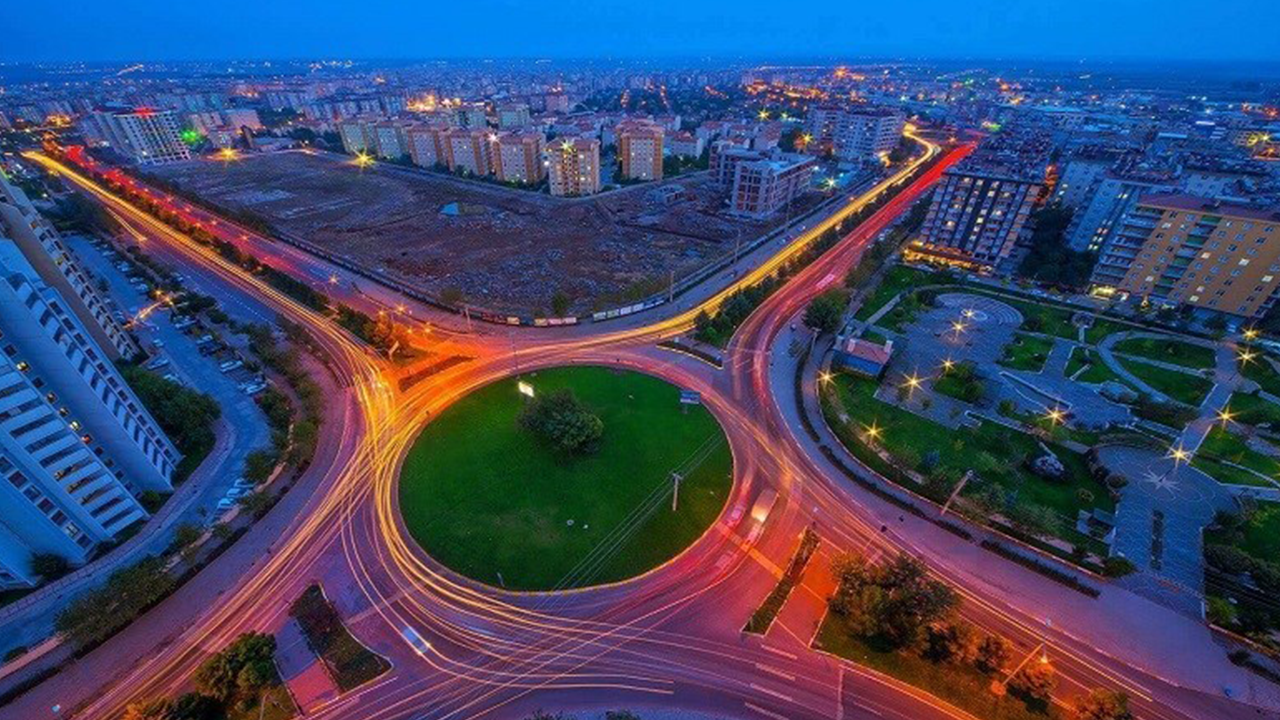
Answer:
[(1050, 259), (241, 671), (157, 709), (1035, 682), (258, 465), (992, 654), (194, 706), (560, 303), (1103, 704), (950, 642), (825, 311), (894, 601), (563, 420), (49, 566)]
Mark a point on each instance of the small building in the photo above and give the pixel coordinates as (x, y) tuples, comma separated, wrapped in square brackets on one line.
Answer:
[(862, 357)]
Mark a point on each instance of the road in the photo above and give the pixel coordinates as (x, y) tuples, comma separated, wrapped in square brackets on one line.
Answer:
[(670, 639)]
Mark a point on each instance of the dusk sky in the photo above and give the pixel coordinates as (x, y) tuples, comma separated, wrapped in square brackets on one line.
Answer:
[(151, 30)]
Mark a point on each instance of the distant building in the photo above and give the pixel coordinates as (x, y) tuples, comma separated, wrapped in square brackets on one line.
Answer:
[(470, 151), (1180, 249), (640, 150), (77, 448), (144, 135), (684, 144), (573, 166), (517, 157), (763, 187), (470, 115), (857, 134), (513, 116), (557, 102)]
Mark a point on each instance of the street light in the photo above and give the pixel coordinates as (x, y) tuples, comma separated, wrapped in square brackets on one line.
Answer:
[(363, 160), (1225, 416), (873, 432), (1055, 415), (948, 364), (1250, 333)]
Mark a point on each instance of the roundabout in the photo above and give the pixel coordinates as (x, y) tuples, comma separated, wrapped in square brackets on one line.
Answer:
[(493, 500)]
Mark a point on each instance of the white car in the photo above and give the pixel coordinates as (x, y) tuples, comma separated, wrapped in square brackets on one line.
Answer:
[(226, 504), (157, 363), (243, 483), (229, 365), (236, 493)]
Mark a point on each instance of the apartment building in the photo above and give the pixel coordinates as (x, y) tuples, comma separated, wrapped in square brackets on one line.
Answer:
[(1177, 249), (428, 145), (724, 158), (976, 215), (763, 187), (573, 166), (389, 141), (640, 150), (356, 136), (857, 133), (517, 157), (1093, 227), (470, 151), (47, 254), (513, 116), (144, 135), (77, 448)]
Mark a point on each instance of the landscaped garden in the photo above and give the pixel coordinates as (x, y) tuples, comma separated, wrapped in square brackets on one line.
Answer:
[(1026, 352), (1242, 552), (1227, 448), (1187, 388), (1254, 410), (1168, 350), (500, 498)]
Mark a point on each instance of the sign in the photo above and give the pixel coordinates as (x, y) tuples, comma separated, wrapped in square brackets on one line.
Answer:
[(525, 388), (689, 397)]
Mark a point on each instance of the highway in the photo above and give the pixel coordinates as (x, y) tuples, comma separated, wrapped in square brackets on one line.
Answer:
[(669, 639)]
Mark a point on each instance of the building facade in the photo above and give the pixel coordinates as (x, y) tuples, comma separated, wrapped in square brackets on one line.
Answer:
[(977, 214), (517, 157), (763, 187), (640, 150), (856, 134), (573, 166), (144, 135), (470, 151), (1181, 249)]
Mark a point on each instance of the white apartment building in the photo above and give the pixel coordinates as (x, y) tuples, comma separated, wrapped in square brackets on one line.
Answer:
[(470, 151), (573, 166), (77, 447), (857, 134), (45, 250), (428, 145), (513, 116), (389, 140), (146, 136)]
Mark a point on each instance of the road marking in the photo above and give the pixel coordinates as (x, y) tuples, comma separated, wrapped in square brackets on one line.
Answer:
[(767, 691), (776, 672), (766, 713), (840, 695), (779, 651)]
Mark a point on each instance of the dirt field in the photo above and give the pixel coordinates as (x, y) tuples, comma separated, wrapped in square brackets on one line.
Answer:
[(504, 249)]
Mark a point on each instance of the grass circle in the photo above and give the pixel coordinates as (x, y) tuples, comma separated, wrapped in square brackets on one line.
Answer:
[(492, 501)]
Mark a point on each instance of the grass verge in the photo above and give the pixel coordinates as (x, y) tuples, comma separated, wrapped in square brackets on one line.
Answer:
[(349, 663), (763, 617)]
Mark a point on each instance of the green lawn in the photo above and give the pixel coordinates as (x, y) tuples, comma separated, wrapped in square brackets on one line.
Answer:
[(1224, 445), (1102, 327), (896, 280), (1046, 319), (1177, 352), (279, 706), (1187, 388), (349, 663), (962, 686), (1260, 371), (483, 496), (872, 336), (1254, 410), (1026, 352), (1078, 358), (993, 451), (1227, 474), (1095, 371), (1260, 537)]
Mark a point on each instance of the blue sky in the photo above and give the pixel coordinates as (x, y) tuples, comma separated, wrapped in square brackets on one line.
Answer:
[(96, 30)]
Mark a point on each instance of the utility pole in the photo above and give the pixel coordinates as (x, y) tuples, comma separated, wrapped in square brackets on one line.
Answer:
[(956, 493), (675, 495), (671, 286), (515, 355)]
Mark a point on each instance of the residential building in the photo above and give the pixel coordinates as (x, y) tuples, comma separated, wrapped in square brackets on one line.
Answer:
[(1175, 249), (1092, 227), (470, 151), (517, 157), (144, 135), (513, 116), (763, 187), (470, 115), (640, 150), (48, 255), (685, 144), (573, 166), (357, 136), (428, 145), (724, 158), (77, 447), (857, 133), (389, 140), (979, 209)]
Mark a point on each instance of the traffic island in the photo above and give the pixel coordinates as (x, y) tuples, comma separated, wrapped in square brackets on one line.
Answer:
[(493, 496)]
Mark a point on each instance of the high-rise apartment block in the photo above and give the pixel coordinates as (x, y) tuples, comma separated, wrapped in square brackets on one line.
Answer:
[(1180, 249), (640, 150), (428, 145), (144, 135), (77, 448), (470, 151), (517, 157), (857, 133), (513, 116), (573, 166)]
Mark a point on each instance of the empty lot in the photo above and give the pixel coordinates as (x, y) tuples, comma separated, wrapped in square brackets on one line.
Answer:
[(504, 249)]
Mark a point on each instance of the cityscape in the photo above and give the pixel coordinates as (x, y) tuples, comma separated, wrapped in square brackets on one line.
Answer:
[(677, 362)]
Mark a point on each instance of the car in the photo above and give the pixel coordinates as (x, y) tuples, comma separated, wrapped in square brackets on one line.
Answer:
[(157, 363), (158, 343), (226, 504), (227, 366), (236, 492), (204, 339), (183, 322), (254, 388)]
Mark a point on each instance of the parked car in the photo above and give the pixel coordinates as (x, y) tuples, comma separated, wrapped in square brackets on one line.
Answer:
[(229, 365), (157, 362), (226, 504)]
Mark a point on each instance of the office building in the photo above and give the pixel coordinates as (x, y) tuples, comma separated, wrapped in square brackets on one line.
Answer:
[(640, 150), (470, 151), (1175, 249), (573, 166), (77, 448), (517, 157), (763, 187), (144, 135)]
